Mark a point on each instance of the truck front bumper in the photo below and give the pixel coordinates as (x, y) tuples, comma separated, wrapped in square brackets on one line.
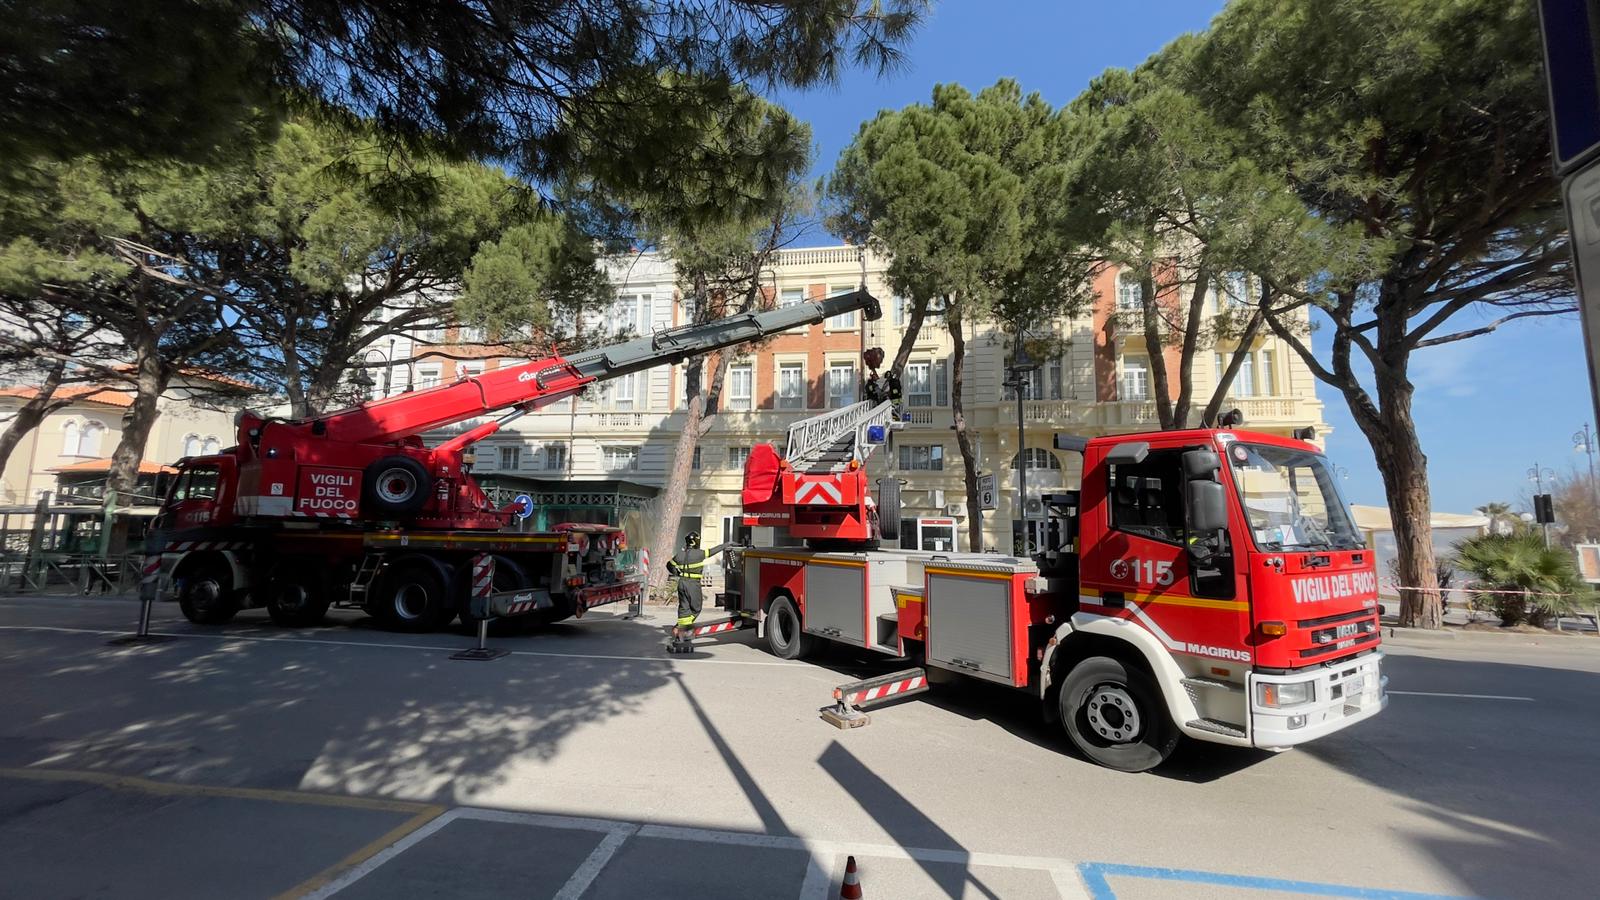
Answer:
[(1344, 693)]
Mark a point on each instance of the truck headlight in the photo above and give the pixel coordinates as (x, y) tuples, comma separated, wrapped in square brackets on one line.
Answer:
[(1292, 693)]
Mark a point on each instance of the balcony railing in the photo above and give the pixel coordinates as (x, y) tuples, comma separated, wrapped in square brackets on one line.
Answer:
[(820, 256)]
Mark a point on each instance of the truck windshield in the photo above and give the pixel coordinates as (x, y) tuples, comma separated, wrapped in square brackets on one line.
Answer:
[(196, 484), (1290, 499)]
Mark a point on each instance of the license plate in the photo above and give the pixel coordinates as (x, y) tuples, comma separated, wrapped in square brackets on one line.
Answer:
[(1344, 631), (1354, 686)]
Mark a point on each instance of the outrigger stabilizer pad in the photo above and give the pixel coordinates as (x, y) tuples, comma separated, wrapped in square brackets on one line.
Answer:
[(680, 645), (845, 711)]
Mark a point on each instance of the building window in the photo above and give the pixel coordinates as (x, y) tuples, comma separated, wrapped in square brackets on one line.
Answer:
[(622, 392), (621, 459), (902, 310), (1235, 288), (694, 461), (429, 333), (922, 457), (472, 334), (552, 457), (1129, 296), (841, 384), (791, 386), (191, 445), (69, 439), (918, 387), (1038, 458), (741, 386), (211, 446), (941, 383), (792, 297), (737, 457), (510, 458), (1244, 384), (89, 441), (843, 321), (630, 314), (427, 376), (1269, 386), (1135, 378), (469, 370)]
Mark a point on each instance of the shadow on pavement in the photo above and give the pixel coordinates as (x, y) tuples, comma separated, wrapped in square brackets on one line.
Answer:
[(1512, 784)]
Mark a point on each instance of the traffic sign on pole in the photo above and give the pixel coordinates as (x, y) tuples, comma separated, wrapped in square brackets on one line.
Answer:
[(526, 508), (986, 491)]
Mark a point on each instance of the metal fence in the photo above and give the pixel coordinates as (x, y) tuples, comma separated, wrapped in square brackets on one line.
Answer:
[(69, 573)]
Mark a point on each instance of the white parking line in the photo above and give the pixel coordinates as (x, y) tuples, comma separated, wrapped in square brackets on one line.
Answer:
[(822, 867), (235, 636), (1461, 696)]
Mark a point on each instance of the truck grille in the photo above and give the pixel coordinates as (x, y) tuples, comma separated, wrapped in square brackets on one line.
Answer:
[(1362, 640)]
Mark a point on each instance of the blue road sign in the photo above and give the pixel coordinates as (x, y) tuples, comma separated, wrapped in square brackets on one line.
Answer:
[(527, 505), (1572, 70)]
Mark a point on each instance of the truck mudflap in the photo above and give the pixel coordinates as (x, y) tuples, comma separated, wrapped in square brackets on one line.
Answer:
[(1341, 694)]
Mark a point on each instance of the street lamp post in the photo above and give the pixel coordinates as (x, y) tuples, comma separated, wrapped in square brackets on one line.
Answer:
[(1017, 379), (1584, 442), (1537, 475)]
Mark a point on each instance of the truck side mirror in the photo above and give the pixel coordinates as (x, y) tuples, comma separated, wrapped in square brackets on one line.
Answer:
[(1200, 464), (1208, 507)]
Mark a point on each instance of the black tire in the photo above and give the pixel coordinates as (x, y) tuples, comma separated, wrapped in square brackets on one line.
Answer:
[(414, 598), (298, 602), (785, 637), (1114, 714), (206, 595), (396, 486), (889, 509)]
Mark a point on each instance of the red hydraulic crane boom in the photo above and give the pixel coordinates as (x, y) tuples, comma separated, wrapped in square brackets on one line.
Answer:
[(368, 463)]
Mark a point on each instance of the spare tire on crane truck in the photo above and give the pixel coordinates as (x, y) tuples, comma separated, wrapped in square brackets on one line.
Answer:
[(395, 485)]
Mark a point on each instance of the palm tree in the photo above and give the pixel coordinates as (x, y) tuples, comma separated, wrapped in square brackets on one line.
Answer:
[(1496, 512), (1532, 582)]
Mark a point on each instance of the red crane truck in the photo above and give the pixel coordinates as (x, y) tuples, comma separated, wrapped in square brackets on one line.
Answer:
[(352, 508), (1208, 583)]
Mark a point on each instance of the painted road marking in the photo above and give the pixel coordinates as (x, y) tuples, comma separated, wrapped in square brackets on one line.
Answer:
[(360, 857), (1460, 696), (335, 885), (235, 636), (1095, 874), (589, 870)]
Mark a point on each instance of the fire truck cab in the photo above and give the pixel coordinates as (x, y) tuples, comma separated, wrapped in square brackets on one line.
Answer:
[(1202, 583)]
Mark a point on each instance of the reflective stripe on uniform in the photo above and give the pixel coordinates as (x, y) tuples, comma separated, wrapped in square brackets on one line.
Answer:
[(685, 620), (687, 575)]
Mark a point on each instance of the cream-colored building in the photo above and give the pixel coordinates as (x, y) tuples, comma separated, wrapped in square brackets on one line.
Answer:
[(621, 435), (77, 440)]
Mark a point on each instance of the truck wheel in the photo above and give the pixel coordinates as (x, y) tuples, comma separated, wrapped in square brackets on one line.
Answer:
[(889, 509), (785, 638), (415, 598), (206, 596), (297, 604), (396, 485), (1114, 714)]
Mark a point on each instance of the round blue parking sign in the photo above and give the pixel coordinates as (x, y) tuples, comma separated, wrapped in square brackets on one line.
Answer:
[(526, 502)]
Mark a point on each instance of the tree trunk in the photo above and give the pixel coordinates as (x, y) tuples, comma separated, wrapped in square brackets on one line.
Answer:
[(673, 494), (30, 414), (150, 382), (969, 455), (1235, 363), (914, 316), (1404, 468), (1153, 351), (1191, 342)]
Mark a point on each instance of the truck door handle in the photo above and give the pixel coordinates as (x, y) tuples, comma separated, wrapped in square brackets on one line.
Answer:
[(1113, 598)]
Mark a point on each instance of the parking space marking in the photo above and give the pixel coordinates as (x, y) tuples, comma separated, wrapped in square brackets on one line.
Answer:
[(234, 636), (589, 870), (371, 863), (1095, 877), (1461, 696), (818, 881), (114, 781), (360, 857)]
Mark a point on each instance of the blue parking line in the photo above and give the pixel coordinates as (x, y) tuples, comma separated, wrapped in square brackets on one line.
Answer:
[(1094, 877)]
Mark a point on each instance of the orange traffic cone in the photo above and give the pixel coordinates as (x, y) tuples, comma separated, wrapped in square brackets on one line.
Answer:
[(851, 889)]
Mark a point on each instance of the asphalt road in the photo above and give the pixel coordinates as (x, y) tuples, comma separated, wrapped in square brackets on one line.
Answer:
[(251, 761)]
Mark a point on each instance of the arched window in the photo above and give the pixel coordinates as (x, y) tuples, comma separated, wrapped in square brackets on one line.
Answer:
[(191, 445), (1038, 458), (211, 445), (89, 440), (1128, 296), (69, 438)]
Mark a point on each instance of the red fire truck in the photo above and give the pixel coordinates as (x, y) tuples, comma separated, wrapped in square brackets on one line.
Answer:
[(351, 508), (1208, 583)]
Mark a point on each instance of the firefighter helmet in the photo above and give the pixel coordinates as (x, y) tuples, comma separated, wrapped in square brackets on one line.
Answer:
[(692, 539)]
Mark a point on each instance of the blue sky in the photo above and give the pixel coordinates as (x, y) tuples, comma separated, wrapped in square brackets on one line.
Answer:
[(1487, 408)]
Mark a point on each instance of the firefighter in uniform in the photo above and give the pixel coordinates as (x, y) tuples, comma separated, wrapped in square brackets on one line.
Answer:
[(689, 568)]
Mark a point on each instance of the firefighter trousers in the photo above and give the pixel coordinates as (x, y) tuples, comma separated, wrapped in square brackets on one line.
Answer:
[(689, 601)]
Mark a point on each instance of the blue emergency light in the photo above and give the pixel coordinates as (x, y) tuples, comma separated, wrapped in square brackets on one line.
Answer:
[(877, 434)]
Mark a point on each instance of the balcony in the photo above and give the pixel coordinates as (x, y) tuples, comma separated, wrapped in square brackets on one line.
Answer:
[(1136, 415)]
